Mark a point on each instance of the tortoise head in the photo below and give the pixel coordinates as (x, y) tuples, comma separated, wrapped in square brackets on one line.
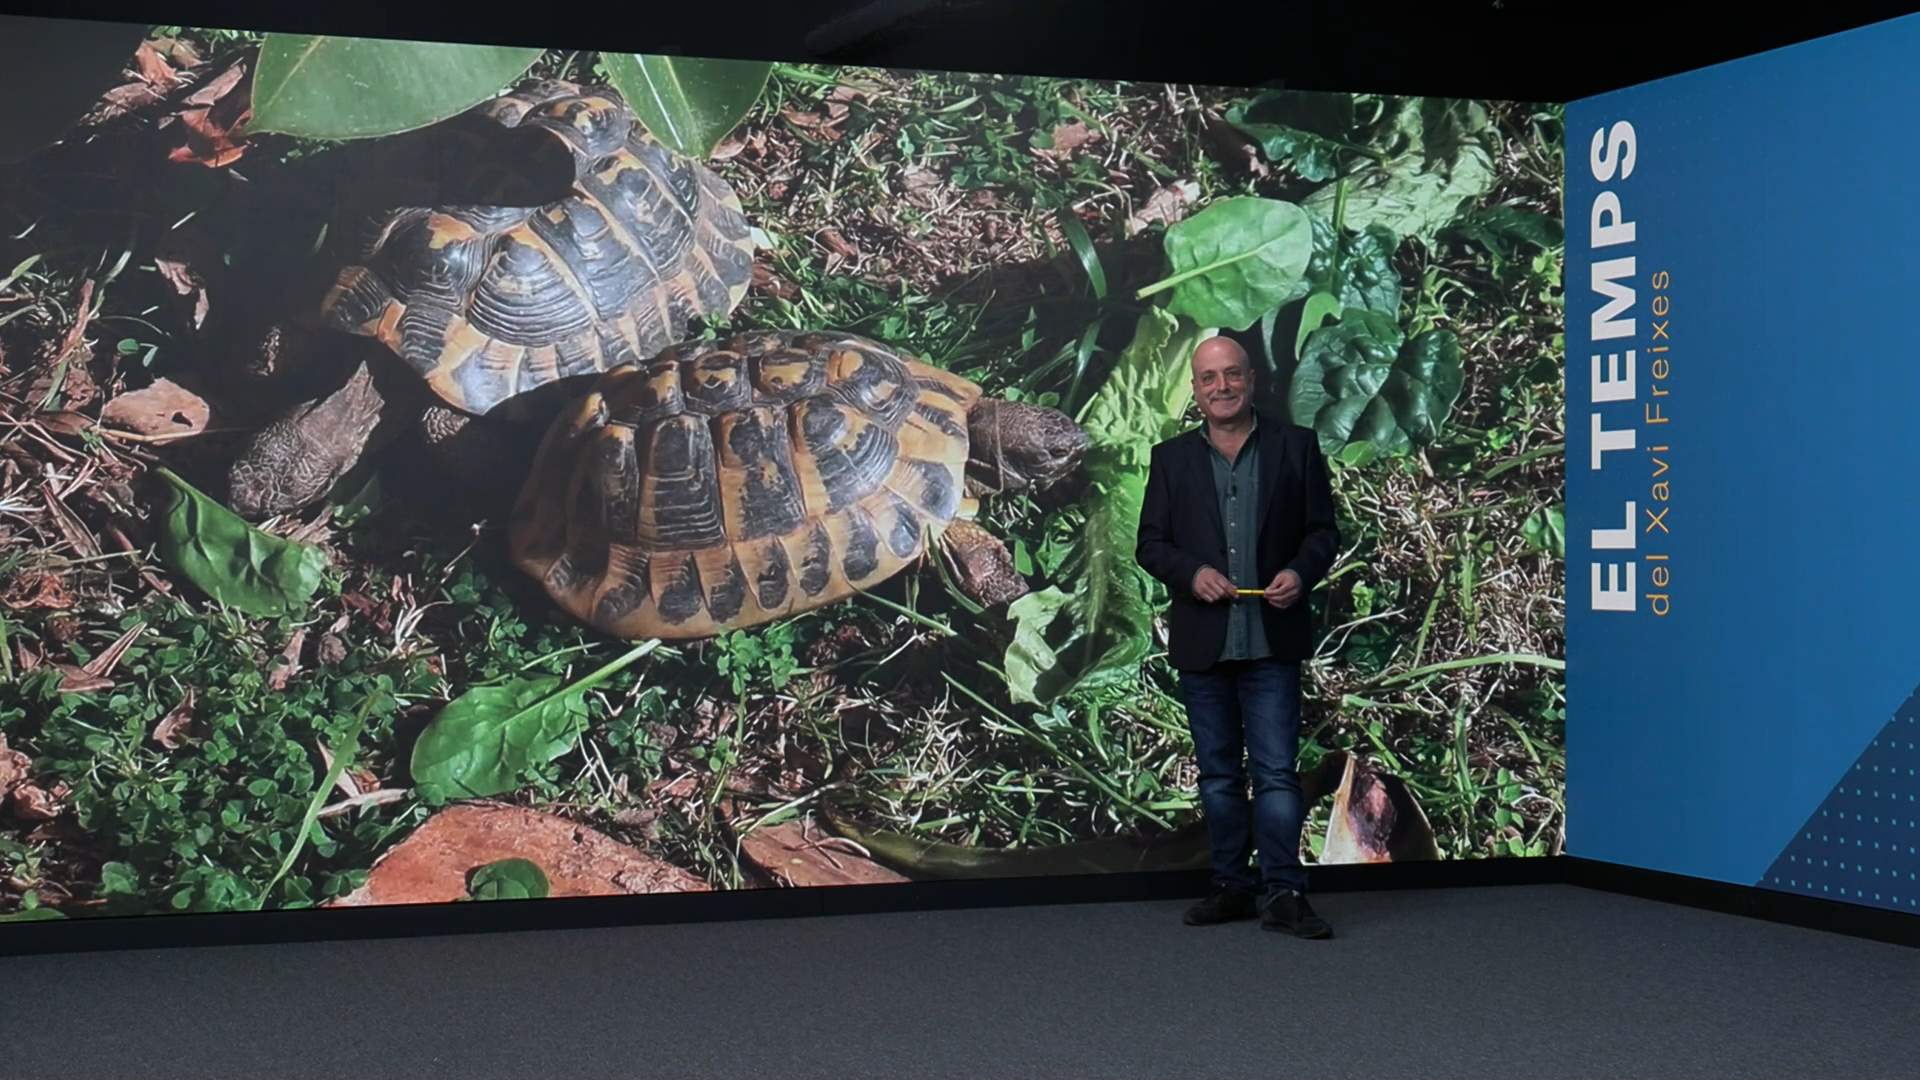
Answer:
[(1014, 446)]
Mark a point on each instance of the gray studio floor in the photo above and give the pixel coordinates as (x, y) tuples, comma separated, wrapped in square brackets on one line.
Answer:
[(1522, 981)]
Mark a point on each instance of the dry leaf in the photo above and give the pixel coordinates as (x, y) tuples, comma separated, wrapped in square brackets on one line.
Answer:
[(432, 865), (31, 802), (178, 274), (102, 666), (838, 244), (212, 119), (75, 680), (171, 731), (730, 147), (802, 119), (331, 650), (1376, 819), (826, 127), (187, 283), (14, 767), (153, 68), (645, 820), (78, 537), (65, 422), (62, 629), (790, 854), (37, 589), (348, 784), (164, 408), (122, 101), (180, 52), (921, 183), (1229, 144), (1165, 206), (766, 281), (289, 665), (1068, 138)]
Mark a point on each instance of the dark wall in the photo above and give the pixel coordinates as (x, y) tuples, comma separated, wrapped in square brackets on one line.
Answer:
[(1516, 49)]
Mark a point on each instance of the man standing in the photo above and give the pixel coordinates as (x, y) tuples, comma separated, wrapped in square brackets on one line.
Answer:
[(1242, 503)]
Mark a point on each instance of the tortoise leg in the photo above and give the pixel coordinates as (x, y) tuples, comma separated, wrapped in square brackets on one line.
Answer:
[(984, 564), (296, 459)]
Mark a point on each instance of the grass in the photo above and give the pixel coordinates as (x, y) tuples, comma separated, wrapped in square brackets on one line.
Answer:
[(922, 210)]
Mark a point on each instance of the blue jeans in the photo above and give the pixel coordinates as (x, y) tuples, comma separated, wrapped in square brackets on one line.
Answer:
[(1250, 706)]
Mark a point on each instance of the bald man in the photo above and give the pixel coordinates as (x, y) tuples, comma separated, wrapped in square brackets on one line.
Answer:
[(1238, 524)]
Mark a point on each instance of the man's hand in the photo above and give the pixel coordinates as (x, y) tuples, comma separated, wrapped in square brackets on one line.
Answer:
[(1211, 585), (1284, 589)]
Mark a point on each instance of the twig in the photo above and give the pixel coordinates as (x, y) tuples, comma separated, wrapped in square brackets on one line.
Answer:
[(82, 314), (146, 574), (171, 436), (70, 526), (380, 797), (1475, 661)]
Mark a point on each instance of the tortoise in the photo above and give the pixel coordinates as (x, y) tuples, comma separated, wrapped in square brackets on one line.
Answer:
[(729, 483), (500, 290)]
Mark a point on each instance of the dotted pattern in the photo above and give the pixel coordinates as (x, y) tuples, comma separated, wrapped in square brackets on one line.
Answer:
[(1862, 845)]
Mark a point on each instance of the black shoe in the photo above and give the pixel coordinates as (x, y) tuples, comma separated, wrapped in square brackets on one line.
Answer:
[(1223, 905), (1288, 912)]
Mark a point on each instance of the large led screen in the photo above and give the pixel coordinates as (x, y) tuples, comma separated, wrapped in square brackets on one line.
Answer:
[(441, 472)]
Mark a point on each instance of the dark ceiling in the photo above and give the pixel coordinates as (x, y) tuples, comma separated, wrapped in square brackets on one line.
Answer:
[(1516, 49)]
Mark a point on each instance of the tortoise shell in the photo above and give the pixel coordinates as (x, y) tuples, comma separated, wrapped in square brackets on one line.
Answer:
[(486, 301), (726, 484)]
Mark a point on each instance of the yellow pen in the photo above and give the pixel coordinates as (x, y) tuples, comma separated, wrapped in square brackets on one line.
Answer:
[(1250, 592)]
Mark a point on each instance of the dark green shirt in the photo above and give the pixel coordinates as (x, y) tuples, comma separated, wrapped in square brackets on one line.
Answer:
[(1236, 484)]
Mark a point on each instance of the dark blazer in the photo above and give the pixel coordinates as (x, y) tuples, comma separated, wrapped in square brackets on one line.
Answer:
[(1181, 531)]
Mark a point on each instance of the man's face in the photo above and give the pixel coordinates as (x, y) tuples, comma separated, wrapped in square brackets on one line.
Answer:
[(1222, 382)]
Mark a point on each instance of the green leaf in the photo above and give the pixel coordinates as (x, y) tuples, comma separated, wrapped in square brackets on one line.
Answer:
[(1144, 396), (1082, 244), (1357, 453), (1098, 634), (1317, 308), (345, 751), (1360, 380), (486, 738), (1235, 261), (1366, 277), (52, 71), (233, 562), (327, 87), (689, 105), (1441, 153), (39, 914), (508, 879), (1546, 530), (119, 879), (1505, 231), (1305, 130)]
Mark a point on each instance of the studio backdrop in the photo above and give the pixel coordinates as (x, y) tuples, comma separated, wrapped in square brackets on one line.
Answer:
[(1741, 410), (440, 472)]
